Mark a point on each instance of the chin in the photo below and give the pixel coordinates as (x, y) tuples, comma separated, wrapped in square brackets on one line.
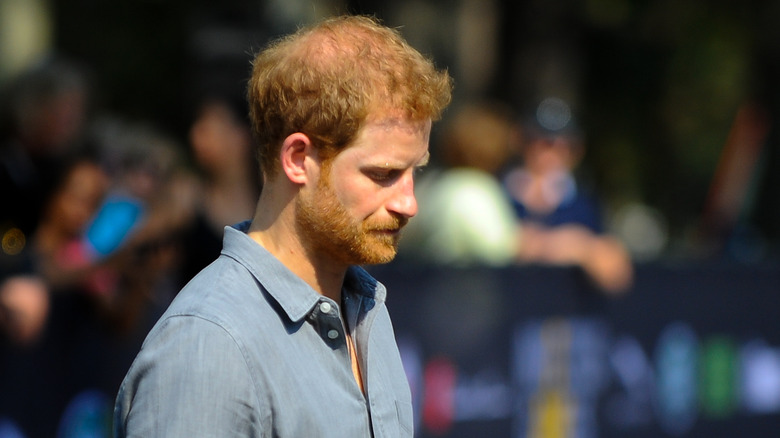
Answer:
[(379, 256), (380, 260)]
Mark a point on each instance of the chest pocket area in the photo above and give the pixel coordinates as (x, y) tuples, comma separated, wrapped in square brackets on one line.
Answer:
[(405, 418), (392, 419)]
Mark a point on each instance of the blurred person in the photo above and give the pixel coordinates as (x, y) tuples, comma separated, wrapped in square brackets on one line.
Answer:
[(562, 223), (57, 243), (282, 335), (27, 358), (24, 308), (148, 170), (70, 316), (543, 187), (465, 217), (62, 257), (52, 258), (138, 227), (57, 308), (43, 117), (221, 145)]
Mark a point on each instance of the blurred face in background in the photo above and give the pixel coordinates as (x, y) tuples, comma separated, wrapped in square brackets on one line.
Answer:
[(76, 201), (551, 153), (49, 127), (218, 138)]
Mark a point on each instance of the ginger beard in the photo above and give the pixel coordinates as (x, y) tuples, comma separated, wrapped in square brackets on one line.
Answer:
[(327, 228)]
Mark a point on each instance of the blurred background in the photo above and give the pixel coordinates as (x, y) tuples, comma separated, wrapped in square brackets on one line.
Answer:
[(664, 91), (675, 105)]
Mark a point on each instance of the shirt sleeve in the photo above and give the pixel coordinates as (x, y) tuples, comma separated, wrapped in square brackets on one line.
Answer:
[(189, 380)]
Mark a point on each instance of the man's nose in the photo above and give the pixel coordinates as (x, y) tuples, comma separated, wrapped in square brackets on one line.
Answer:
[(403, 201)]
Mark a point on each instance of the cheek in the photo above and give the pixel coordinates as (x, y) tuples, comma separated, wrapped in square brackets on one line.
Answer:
[(360, 199)]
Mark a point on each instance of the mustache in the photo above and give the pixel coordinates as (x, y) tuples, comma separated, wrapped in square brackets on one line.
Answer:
[(395, 223)]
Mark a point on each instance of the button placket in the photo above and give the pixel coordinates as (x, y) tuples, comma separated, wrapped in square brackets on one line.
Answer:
[(326, 318)]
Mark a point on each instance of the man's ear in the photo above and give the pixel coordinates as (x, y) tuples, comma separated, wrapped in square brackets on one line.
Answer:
[(296, 154)]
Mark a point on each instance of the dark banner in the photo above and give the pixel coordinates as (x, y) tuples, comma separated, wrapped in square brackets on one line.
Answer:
[(532, 352), (537, 353)]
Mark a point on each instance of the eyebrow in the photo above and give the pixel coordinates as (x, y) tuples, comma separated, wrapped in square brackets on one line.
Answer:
[(422, 163)]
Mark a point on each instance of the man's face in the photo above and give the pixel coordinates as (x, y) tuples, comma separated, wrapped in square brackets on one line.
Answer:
[(365, 194)]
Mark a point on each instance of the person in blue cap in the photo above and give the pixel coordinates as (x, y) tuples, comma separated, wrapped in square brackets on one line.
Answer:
[(562, 222)]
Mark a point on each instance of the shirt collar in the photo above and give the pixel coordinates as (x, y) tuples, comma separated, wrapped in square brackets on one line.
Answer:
[(293, 295)]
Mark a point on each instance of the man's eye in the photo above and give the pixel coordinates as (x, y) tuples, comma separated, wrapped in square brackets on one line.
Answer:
[(380, 175), (383, 175)]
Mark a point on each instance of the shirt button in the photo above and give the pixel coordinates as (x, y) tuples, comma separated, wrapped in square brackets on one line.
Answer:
[(333, 334), (325, 307)]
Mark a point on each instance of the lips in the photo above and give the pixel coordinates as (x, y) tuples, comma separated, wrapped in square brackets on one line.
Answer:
[(389, 228), (384, 230)]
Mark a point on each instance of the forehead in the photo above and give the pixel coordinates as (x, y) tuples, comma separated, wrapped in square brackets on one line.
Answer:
[(390, 138)]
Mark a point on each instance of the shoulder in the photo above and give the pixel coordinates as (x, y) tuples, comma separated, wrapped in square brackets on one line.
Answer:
[(216, 291), (188, 366), (215, 309)]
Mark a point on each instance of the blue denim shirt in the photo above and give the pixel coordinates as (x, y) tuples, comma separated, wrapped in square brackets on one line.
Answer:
[(248, 349)]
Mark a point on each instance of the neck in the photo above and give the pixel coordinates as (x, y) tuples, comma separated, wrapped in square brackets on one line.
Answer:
[(274, 229)]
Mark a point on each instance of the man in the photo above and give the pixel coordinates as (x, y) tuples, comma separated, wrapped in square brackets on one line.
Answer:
[(282, 336), (562, 224)]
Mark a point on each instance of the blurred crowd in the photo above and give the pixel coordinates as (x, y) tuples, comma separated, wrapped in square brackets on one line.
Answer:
[(104, 218), (505, 192), (119, 214), (106, 208), (109, 209)]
